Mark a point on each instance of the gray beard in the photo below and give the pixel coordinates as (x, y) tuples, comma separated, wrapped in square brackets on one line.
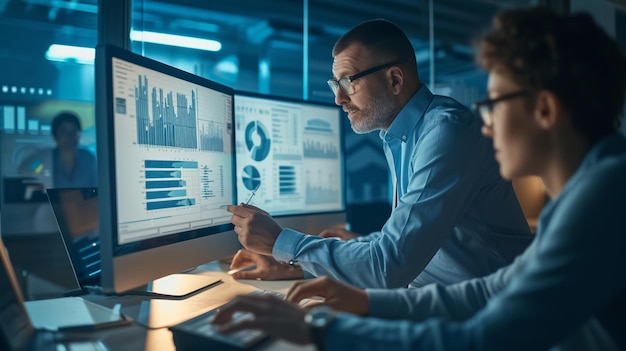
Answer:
[(378, 115)]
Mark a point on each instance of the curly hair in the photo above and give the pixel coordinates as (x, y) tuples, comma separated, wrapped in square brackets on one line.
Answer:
[(569, 55)]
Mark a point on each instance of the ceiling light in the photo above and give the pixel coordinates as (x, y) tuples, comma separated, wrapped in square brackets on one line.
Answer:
[(68, 53), (176, 40)]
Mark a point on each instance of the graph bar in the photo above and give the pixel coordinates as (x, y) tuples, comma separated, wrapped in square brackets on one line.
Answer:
[(287, 180), (173, 119), (33, 126), (212, 137), (157, 184), (317, 149), (165, 194), (171, 183), (21, 119), (163, 174), (8, 116), (157, 205), (170, 164)]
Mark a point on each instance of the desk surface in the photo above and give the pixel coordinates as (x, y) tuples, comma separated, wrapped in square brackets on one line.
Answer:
[(157, 312)]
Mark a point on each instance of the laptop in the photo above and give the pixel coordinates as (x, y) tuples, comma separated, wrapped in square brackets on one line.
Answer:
[(31, 327), (76, 214)]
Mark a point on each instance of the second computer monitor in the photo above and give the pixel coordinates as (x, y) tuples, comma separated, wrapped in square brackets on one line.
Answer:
[(290, 155)]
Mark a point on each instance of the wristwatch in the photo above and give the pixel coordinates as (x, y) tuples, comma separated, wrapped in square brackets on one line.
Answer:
[(318, 319)]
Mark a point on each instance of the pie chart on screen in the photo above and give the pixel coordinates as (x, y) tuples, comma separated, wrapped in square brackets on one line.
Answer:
[(257, 140), (251, 177)]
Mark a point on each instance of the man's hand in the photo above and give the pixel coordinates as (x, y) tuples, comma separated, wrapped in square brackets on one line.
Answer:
[(338, 233), (255, 228), (278, 318), (338, 296), (267, 268)]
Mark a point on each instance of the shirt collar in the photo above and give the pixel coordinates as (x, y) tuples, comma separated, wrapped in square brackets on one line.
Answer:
[(409, 117)]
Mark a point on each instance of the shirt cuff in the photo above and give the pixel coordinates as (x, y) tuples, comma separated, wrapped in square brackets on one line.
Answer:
[(285, 245), (388, 303)]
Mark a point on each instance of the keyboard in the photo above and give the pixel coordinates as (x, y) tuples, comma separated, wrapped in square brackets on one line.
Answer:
[(198, 333)]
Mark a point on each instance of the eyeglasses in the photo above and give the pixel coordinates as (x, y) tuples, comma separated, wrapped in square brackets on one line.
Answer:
[(346, 83), (485, 107)]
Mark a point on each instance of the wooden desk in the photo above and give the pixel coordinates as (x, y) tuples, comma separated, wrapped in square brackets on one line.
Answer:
[(138, 336)]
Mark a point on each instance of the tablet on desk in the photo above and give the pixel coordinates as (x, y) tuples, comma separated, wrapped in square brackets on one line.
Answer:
[(72, 314)]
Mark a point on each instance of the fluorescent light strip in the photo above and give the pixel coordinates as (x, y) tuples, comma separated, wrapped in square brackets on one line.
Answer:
[(65, 53), (176, 40)]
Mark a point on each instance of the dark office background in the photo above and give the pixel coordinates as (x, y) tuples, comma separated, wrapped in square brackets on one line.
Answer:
[(277, 47)]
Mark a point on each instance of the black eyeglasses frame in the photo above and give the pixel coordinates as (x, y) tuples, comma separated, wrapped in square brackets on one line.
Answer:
[(485, 107), (335, 84)]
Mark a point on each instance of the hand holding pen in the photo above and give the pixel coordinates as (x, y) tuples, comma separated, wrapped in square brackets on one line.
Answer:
[(247, 202), (255, 228), (252, 195)]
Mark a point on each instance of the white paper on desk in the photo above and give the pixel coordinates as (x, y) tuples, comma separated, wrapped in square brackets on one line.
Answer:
[(66, 312)]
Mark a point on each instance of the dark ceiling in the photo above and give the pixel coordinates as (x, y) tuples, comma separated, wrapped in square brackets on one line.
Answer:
[(255, 22), (252, 27)]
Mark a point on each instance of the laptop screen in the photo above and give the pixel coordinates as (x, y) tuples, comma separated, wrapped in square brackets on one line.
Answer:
[(76, 213)]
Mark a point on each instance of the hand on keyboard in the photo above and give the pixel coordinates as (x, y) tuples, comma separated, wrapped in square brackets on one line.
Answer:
[(273, 316), (245, 337), (200, 332)]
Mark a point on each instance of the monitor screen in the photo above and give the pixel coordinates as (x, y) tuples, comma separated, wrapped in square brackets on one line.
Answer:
[(27, 161), (166, 169), (290, 155)]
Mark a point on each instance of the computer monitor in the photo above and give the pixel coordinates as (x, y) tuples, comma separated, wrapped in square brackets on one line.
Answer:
[(166, 163), (291, 152)]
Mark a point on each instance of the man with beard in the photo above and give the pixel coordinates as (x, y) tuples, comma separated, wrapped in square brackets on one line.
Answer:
[(553, 111), (454, 217)]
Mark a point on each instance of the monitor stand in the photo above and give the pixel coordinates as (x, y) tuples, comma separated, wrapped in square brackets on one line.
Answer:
[(176, 286)]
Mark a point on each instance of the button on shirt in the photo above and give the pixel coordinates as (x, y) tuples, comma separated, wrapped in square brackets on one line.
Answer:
[(456, 218)]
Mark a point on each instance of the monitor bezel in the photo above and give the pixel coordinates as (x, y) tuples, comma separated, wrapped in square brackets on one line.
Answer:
[(128, 266)]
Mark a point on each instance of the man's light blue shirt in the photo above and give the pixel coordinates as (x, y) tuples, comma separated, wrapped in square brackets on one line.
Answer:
[(563, 293), (456, 218)]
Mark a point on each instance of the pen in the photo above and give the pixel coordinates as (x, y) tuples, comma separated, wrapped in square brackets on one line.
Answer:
[(252, 195), (248, 200)]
